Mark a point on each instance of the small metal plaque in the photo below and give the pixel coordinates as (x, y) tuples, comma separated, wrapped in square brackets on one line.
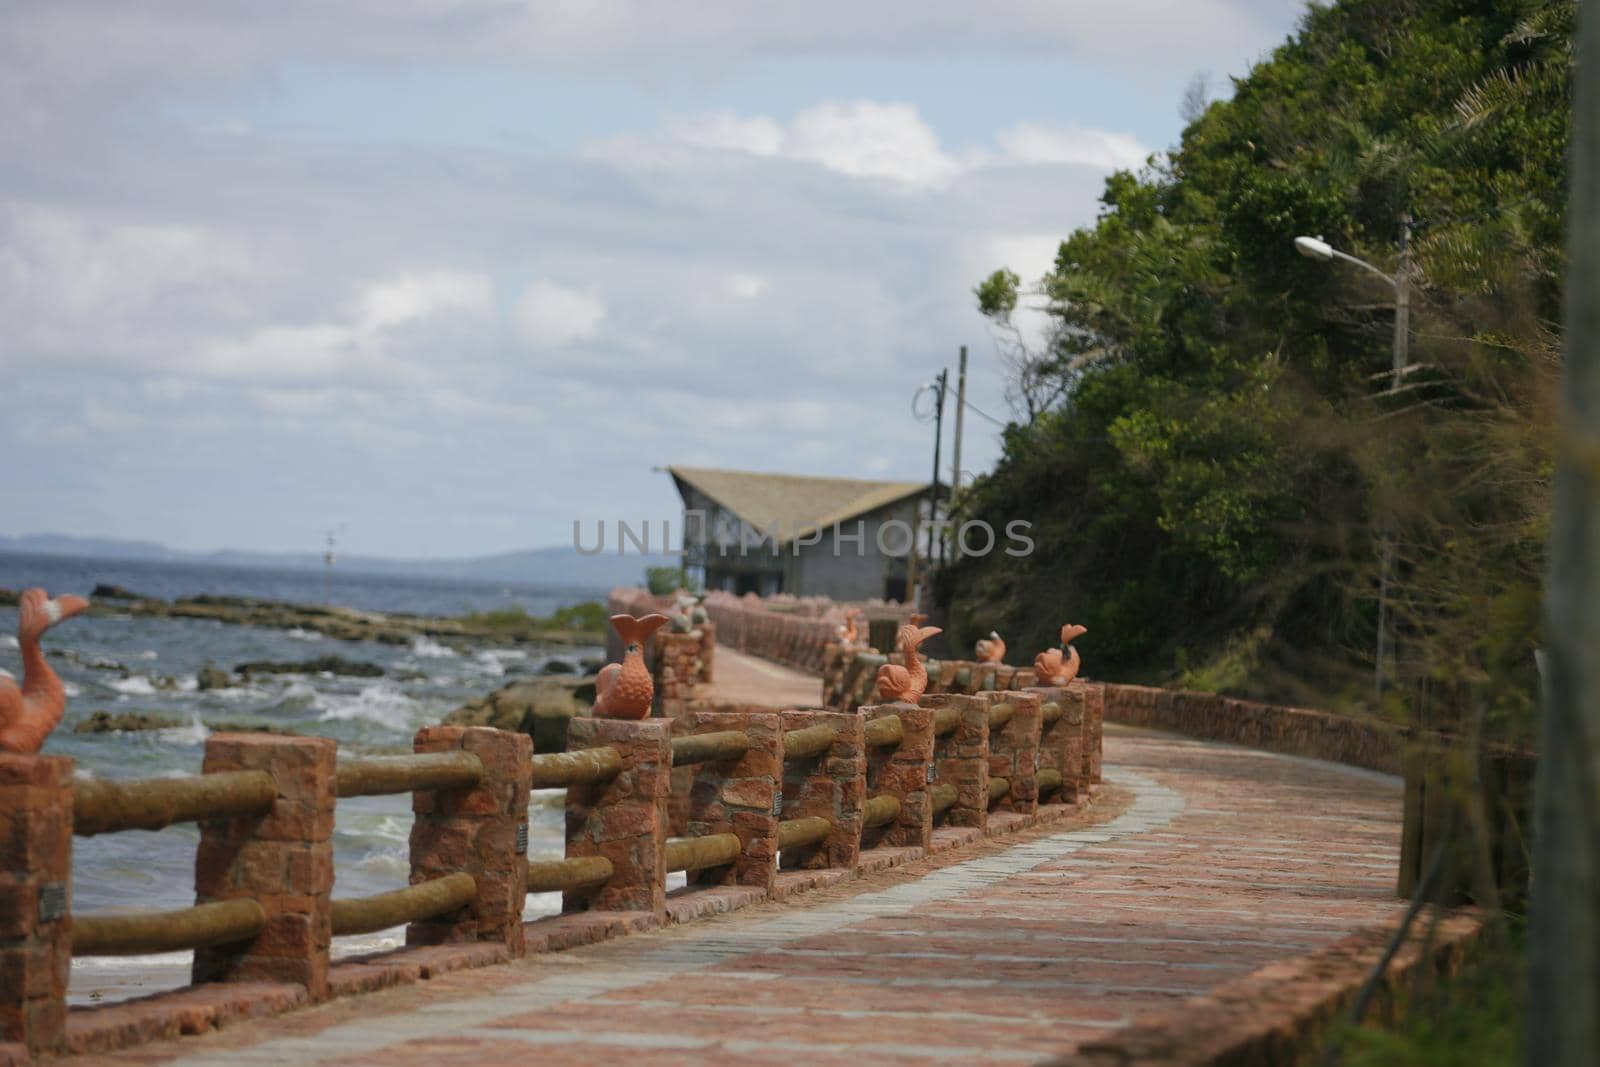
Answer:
[(930, 774), (1036, 759), (777, 803), (52, 901), (522, 839)]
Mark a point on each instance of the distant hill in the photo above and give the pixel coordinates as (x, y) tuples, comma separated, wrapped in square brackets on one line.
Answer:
[(558, 566)]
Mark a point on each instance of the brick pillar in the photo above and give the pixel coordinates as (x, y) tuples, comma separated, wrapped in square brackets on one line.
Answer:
[(961, 758), (1014, 750), (1094, 708), (831, 785), (481, 831), (708, 650), (283, 859), (35, 887), (624, 819), (1061, 742), (903, 772), (741, 796)]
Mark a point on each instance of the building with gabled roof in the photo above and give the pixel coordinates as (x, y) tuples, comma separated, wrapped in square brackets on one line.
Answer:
[(751, 532)]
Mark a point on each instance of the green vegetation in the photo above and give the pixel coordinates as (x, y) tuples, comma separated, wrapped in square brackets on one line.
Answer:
[(1473, 1019), (588, 617), (1208, 446), (664, 581)]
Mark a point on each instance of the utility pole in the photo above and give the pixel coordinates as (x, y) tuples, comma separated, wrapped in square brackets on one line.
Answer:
[(938, 431), (1563, 1022), (1402, 302), (961, 411)]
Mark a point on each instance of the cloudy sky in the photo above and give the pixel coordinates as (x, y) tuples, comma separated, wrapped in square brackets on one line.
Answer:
[(453, 273)]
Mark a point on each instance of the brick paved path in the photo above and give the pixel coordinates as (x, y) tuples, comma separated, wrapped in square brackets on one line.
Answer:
[(1224, 860), (742, 679)]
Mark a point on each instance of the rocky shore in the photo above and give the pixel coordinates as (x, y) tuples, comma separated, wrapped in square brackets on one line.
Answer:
[(581, 625)]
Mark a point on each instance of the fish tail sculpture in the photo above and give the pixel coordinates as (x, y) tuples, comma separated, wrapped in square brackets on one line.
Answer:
[(848, 632), (897, 682), (1055, 668), (991, 649), (28, 713), (624, 690)]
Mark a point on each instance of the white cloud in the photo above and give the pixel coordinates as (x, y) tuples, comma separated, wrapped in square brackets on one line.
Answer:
[(365, 340), (883, 142), (71, 284), (412, 297), (552, 316), (1073, 144), (862, 139), (746, 286), (759, 136)]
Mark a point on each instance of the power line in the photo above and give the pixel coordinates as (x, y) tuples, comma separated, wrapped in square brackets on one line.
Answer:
[(976, 410)]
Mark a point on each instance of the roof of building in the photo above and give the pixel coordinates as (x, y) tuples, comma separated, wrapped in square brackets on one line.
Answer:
[(797, 504)]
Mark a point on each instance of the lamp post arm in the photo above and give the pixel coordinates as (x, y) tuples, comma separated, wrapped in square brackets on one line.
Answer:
[(1364, 265)]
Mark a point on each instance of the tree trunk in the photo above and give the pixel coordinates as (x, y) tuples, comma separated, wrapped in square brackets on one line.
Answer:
[(1564, 937)]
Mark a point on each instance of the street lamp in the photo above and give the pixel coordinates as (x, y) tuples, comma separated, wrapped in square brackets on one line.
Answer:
[(1320, 250)]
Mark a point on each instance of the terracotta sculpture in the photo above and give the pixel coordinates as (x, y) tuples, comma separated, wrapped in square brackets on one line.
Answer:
[(849, 633), (28, 714), (991, 649), (1051, 666), (906, 683), (624, 690)]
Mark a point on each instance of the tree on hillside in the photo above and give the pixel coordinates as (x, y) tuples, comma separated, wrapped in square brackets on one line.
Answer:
[(1205, 444)]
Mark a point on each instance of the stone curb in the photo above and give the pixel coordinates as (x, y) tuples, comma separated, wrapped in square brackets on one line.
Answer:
[(1278, 1014)]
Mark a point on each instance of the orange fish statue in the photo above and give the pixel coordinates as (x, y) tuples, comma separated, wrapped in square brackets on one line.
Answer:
[(625, 690), (906, 682), (991, 649), (1056, 669), (28, 713), (849, 632)]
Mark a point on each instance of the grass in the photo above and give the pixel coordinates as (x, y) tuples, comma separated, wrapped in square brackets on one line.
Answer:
[(587, 617), (1471, 1019)]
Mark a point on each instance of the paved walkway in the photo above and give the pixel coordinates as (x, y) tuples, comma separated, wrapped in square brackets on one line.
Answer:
[(1221, 860), (741, 679)]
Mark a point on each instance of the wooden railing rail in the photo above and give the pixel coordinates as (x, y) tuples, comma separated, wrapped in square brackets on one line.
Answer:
[(557, 770), (101, 805), (704, 748), (138, 934), (425, 900), (385, 775)]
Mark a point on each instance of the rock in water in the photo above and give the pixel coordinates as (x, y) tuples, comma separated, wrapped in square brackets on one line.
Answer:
[(538, 707), (214, 678), (322, 664), (103, 722)]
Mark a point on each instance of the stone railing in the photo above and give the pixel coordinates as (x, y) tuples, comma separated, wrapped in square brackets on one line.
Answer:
[(796, 637), (768, 803), (1368, 743)]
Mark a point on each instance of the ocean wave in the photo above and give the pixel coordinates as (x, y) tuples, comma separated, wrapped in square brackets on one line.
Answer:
[(193, 734), (8, 641), (72, 690), (135, 685), (428, 648), (362, 944), (148, 653), (386, 861), (302, 635), (381, 702), (132, 963)]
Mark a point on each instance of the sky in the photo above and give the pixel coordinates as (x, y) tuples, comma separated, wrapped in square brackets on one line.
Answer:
[(449, 275)]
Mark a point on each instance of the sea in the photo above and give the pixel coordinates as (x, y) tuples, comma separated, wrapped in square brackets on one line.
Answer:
[(123, 664)]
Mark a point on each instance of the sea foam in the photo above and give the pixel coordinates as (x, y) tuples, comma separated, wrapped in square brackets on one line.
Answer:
[(381, 702)]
